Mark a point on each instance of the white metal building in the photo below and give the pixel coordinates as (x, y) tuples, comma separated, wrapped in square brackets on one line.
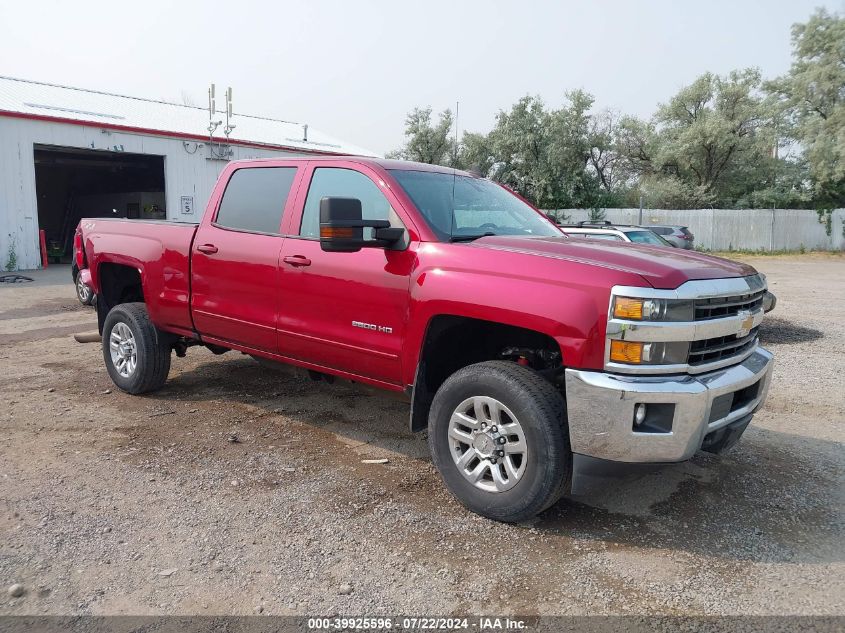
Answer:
[(67, 153)]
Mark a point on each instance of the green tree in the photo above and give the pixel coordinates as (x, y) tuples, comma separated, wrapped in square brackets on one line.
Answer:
[(722, 141), (605, 160), (427, 142), (576, 141), (521, 143), (541, 154), (636, 142), (710, 145), (476, 153), (812, 97), (712, 126)]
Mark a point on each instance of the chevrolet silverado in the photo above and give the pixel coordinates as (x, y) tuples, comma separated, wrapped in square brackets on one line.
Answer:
[(516, 346)]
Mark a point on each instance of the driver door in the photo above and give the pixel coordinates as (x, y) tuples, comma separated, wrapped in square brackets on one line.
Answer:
[(345, 311)]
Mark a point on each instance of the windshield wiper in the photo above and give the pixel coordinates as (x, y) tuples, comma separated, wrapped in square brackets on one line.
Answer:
[(469, 238)]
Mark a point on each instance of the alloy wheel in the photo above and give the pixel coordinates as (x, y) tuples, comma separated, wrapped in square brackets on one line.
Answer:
[(487, 444), (83, 292), (124, 350)]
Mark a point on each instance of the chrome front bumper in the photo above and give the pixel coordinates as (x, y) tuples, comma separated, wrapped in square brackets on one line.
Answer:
[(601, 409)]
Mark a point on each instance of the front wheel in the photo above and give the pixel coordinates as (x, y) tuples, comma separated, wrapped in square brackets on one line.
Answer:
[(498, 436), (136, 352)]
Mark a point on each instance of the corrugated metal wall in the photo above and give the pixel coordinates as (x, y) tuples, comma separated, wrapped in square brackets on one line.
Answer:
[(186, 174), (742, 229)]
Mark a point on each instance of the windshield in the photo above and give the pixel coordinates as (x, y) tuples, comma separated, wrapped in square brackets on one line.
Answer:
[(462, 207), (646, 237)]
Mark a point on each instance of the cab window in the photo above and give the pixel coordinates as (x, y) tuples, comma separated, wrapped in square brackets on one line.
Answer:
[(255, 198), (344, 183)]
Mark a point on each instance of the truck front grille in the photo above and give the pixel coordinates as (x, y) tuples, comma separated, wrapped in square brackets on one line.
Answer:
[(712, 350), (718, 307), (713, 326)]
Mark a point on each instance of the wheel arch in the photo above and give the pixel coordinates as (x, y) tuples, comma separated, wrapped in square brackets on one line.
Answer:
[(117, 283), (453, 341)]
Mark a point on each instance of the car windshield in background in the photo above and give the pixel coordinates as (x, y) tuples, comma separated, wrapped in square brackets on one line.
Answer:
[(646, 237), (465, 208)]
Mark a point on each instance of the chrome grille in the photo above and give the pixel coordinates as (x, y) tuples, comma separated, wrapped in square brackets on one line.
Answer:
[(717, 330), (718, 307), (712, 350)]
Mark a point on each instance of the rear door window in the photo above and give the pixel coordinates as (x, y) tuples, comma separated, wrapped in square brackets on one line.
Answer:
[(255, 198)]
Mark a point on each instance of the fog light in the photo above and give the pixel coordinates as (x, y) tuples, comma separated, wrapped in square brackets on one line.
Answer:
[(639, 414)]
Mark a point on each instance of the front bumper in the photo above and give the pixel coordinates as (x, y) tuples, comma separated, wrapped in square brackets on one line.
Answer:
[(684, 413)]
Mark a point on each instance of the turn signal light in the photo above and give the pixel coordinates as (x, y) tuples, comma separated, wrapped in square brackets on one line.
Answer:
[(337, 232), (625, 308), (626, 351)]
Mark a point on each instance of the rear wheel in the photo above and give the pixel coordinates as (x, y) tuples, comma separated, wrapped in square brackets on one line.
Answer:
[(498, 436), (83, 292), (136, 352)]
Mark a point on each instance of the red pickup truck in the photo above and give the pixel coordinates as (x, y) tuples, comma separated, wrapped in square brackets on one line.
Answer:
[(517, 347)]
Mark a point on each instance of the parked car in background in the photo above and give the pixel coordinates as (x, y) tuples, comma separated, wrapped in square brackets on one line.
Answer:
[(617, 233), (679, 236)]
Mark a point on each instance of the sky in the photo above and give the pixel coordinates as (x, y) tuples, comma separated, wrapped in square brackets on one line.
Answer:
[(354, 69)]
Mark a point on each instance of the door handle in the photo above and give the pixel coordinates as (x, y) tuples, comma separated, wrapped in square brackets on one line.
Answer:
[(297, 260), (207, 248)]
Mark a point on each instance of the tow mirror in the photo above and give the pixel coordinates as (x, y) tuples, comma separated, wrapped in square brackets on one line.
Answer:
[(342, 227)]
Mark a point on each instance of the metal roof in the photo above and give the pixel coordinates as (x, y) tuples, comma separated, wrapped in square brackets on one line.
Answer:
[(37, 100)]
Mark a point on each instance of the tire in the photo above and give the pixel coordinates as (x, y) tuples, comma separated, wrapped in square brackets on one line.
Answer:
[(83, 293), (540, 413), (151, 349)]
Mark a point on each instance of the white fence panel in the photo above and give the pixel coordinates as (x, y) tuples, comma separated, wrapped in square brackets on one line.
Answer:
[(738, 229)]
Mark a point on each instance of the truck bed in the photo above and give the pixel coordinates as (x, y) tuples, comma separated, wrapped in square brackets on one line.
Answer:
[(159, 250)]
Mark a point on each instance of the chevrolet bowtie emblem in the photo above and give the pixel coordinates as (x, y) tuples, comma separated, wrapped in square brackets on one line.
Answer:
[(746, 324)]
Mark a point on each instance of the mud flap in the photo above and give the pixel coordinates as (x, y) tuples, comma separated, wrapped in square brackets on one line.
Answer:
[(102, 312), (421, 399)]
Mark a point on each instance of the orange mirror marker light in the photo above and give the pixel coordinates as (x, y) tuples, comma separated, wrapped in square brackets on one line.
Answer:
[(337, 232)]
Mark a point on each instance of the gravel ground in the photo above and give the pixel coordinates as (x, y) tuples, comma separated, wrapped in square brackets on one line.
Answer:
[(239, 490)]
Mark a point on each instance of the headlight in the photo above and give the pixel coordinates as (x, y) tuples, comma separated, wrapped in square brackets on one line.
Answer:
[(637, 309), (639, 353)]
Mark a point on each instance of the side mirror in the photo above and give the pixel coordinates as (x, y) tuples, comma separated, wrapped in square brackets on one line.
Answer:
[(342, 227)]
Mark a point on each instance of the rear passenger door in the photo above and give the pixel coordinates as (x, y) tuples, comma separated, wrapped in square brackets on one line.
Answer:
[(235, 259)]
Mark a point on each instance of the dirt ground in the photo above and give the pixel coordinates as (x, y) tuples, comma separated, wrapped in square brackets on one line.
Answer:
[(118, 504)]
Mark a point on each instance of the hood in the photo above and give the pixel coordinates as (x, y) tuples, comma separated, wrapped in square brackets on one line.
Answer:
[(662, 267)]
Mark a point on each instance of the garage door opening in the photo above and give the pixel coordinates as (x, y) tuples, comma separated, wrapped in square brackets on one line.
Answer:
[(72, 184)]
